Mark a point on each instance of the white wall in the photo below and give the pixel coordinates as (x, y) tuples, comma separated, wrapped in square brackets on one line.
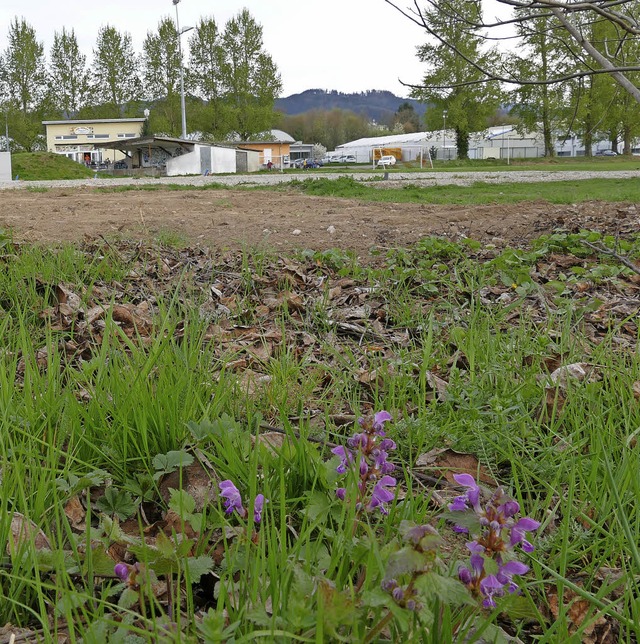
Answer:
[(5, 166), (222, 160)]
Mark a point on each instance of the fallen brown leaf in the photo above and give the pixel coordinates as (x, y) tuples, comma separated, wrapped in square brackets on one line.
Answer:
[(447, 462)]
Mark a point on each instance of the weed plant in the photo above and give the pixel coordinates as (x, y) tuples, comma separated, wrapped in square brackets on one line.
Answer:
[(108, 428)]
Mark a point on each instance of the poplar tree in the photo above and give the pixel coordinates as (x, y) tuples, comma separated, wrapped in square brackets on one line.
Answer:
[(250, 77), (161, 61), (23, 70), (205, 80), (115, 68), (68, 76), (161, 75), (451, 82)]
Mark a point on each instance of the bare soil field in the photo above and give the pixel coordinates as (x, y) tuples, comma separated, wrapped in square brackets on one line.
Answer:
[(285, 221)]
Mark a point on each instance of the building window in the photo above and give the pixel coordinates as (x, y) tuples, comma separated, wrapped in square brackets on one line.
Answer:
[(128, 135), (66, 137), (97, 136)]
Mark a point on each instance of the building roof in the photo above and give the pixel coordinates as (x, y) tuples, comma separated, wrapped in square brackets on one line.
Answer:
[(166, 143), (282, 137), (390, 140), (83, 121)]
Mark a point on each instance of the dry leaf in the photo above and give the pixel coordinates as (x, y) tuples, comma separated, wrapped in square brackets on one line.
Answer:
[(447, 462), (579, 371), (75, 512), (438, 385), (273, 441), (198, 481), (23, 533)]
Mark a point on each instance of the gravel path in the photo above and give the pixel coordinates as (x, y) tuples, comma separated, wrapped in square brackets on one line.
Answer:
[(418, 178)]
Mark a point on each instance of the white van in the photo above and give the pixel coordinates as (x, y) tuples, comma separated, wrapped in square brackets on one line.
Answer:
[(386, 160)]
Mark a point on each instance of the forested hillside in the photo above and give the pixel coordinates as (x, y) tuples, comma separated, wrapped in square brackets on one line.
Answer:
[(376, 105)]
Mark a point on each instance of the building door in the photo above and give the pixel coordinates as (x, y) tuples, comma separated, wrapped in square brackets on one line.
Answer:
[(205, 160), (242, 164)]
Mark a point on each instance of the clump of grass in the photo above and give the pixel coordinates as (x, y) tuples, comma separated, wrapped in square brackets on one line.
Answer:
[(124, 422)]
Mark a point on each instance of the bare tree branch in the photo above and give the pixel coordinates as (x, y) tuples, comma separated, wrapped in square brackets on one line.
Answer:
[(561, 10)]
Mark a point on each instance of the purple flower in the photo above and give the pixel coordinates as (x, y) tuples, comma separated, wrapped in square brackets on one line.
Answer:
[(341, 493), (379, 419), (472, 495), (490, 587), (382, 464), (465, 575), (510, 508), (121, 570), (381, 494), (389, 584), (233, 500), (417, 533), (258, 505), (357, 440), (519, 530), (387, 444), (506, 572), (459, 504), (345, 458)]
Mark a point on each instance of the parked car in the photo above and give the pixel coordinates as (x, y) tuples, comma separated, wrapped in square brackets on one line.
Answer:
[(606, 153), (312, 163), (120, 165), (386, 160), (337, 159), (350, 158), (296, 163)]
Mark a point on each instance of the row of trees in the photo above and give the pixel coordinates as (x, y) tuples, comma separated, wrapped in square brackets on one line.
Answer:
[(231, 81), (576, 67)]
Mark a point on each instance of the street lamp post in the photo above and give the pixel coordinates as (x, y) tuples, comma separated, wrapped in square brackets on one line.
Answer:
[(182, 106), (444, 132)]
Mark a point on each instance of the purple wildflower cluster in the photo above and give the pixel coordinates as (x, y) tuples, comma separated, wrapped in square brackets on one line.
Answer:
[(233, 501), (493, 541), (369, 450), (416, 558)]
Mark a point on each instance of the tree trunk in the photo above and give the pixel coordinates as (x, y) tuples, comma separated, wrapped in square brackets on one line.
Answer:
[(462, 143), (547, 134), (588, 142), (626, 140)]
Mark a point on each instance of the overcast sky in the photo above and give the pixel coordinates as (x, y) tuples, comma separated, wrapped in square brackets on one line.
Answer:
[(346, 45)]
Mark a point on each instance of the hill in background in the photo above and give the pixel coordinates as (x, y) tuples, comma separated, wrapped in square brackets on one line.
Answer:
[(377, 105)]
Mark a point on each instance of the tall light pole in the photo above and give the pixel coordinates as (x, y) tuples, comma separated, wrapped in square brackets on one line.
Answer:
[(182, 107), (444, 132)]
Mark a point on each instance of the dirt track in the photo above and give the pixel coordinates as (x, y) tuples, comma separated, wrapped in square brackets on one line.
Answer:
[(286, 220)]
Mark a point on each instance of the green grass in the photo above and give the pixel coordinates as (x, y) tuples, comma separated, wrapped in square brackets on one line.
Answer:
[(479, 193), (45, 166), (107, 416), (559, 164), (560, 192)]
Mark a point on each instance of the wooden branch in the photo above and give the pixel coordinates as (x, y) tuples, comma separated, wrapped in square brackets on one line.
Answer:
[(607, 251)]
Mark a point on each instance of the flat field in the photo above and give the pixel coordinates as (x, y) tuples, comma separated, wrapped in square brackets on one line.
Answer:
[(287, 219), (195, 383)]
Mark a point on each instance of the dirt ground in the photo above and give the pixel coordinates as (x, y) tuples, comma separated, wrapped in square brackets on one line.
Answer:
[(287, 220)]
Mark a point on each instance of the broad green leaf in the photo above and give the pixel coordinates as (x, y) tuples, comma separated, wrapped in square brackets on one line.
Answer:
[(116, 502), (446, 589), (199, 566)]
